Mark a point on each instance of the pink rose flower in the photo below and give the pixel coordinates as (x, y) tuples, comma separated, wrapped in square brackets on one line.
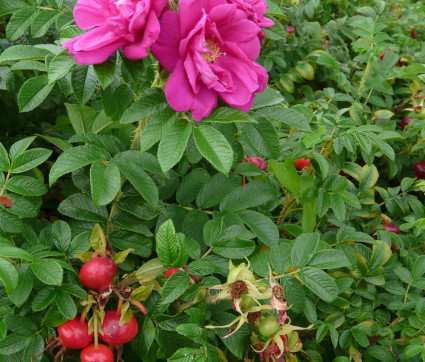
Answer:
[(129, 24), (255, 10), (209, 47)]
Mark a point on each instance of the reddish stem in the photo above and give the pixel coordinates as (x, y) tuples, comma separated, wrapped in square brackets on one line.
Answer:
[(49, 345), (140, 306), (120, 302)]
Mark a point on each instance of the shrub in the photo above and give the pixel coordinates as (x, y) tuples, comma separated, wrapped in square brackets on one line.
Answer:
[(178, 209)]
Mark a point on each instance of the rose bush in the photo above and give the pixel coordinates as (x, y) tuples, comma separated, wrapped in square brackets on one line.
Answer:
[(212, 180)]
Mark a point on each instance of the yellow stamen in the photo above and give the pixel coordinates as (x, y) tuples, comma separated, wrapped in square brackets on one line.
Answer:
[(214, 51)]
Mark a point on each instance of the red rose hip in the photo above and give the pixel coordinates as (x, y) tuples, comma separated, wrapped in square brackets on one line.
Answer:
[(168, 273), (257, 162), (392, 228), (75, 334), (98, 273), (405, 121), (115, 334), (302, 163), (419, 169), (101, 353), (290, 30)]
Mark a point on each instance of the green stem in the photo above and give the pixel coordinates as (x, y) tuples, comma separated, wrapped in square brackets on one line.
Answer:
[(9, 172), (208, 251), (365, 75)]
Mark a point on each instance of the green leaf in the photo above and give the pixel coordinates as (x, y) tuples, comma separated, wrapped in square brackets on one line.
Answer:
[(105, 72), (43, 299), (329, 259), (216, 189), (350, 199), (191, 185), (287, 116), (251, 195), (234, 248), (262, 137), (24, 288), (227, 115), (173, 143), (20, 21), (25, 185), (83, 82), (262, 226), (152, 101), (76, 158), (42, 22), (320, 283), (66, 305), (174, 287), (4, 159), (60, 66), (270, 97), (368, 177), (81, 117), (22, 52), (286, 174), (309, 206), (10, 223), (13, 343), (123, 240), (61, 233), (193, 331), (323, 164), (30, 159), (10, 6), (9, 276), (19, 147), (381, 252), (105, 182), (34, 348), (15, 253), (418, 268), (214, 147), (166, 244), (413, 349), (48, 271), (280, 257), (303, 249), (33, 92), (80, 207), (131, 165)]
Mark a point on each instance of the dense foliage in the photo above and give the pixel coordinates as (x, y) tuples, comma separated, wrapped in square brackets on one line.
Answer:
[(294, 231)]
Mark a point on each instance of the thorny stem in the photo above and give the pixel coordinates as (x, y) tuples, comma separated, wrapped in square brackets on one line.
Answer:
[(285, 211), (407, 292), (135, 144), (365, 75), (392, 198), (190, 208), (114, 209)]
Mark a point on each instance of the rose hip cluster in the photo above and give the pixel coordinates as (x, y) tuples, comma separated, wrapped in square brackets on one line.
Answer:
[(208, 46), (97, 275)]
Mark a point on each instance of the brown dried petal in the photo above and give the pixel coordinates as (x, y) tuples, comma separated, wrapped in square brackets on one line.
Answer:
[(6, 201), (238, 288), (253, 316)]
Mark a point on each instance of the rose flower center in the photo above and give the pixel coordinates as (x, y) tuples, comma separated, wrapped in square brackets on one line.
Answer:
[(213, 51)]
